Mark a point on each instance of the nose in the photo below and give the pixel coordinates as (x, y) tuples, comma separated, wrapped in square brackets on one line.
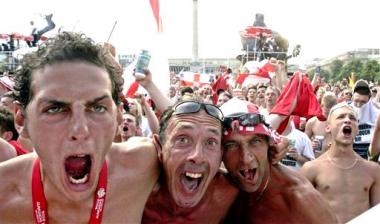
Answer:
[(246, 156), (347, 120), (79, 126), (197, 154)]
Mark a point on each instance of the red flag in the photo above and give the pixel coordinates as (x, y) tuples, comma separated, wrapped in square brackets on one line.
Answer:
[(307, 105), (221, 83), (132, 89), (264, 71), (155, 4)]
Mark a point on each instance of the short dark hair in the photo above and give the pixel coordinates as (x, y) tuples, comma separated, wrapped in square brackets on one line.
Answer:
[(252, 87), (7, 123), (164, 120), (165, 117), (65, 47), (186, 89)]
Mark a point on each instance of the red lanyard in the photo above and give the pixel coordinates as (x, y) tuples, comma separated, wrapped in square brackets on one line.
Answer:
[(39, 200)]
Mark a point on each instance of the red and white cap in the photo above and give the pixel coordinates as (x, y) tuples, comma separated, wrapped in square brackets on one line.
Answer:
[(7, 82), (236, 107)]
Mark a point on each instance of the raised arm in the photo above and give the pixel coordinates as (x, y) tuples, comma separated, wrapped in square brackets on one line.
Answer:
[(159, 98), (149, 114), (374, 148), (375, 188)]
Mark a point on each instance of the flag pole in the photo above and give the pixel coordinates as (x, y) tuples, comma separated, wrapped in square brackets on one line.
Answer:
[(109, 37)]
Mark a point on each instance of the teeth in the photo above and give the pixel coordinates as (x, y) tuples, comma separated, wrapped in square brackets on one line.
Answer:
[(80, 181), (81, 156), (193, 175)]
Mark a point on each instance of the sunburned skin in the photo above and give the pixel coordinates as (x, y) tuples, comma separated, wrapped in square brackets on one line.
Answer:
[(71, 121), (349, 183), (193, 189), (191, 156), (270, 193)]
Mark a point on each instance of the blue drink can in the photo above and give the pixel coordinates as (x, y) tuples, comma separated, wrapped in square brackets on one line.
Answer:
[(142, 63)]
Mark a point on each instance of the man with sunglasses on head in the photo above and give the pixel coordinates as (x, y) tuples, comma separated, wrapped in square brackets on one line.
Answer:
[(192, 188), (269, 193)]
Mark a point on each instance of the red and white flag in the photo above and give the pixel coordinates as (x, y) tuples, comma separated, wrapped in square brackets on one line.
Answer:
[(259, 72), (196, 79)]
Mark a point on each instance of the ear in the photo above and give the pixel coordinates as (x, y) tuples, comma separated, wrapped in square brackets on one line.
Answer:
[(119, 115), (8, 135), (20, 120), (328, 129), (157, 143)]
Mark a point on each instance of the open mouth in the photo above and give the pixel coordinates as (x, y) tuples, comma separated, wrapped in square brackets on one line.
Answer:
[(191, 181), (347, 131), (125, 128), (248, 174), (78, 168)]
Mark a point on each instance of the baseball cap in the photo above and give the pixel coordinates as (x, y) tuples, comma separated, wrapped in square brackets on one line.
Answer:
[(362, 87), (7, 82), (244, 117)]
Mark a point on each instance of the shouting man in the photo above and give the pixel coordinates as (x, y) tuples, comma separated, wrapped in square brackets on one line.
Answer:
[(69, 107)]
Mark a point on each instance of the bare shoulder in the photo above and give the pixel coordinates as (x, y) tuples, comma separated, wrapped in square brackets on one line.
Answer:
[(312, 120), (313, 165), (371, 167), (291, 177), (141, 147), (15, 182), (138, 153), (7, 151), (302, 196)]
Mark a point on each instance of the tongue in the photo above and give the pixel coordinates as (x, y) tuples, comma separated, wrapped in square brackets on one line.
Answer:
[(77, 167), (248, 174), (189, 183)]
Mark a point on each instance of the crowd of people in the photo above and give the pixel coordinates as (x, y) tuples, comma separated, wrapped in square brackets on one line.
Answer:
[(288, 151)]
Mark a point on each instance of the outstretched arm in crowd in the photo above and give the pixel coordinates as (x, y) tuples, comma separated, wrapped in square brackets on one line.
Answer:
[(276, 119), (6, 151), (374, 148), (149, 114), (159, 98), (281, 78)]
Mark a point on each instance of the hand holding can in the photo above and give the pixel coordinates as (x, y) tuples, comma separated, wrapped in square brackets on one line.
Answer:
[(142, 64)]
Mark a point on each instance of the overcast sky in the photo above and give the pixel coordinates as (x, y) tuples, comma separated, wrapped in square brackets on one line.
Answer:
[(324, 28)]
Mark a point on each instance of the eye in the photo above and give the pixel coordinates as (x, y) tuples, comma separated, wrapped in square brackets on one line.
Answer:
[(255, 141), (212, 143), (54, 109), (231, 146), (99, 108), (182, 141)]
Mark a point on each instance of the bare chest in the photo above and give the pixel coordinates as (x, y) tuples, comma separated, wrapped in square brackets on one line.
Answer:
[(336, 182)]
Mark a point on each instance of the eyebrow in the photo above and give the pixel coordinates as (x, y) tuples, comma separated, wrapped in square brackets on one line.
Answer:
[(96, 100), (63, 103), (190, 127)]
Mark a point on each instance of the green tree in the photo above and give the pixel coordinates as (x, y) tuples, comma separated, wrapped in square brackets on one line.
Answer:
[(336, 69), (355, 66), (371, 71)]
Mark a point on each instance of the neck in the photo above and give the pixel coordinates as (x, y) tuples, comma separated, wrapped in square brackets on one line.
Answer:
[(337, 149), (264, 183)]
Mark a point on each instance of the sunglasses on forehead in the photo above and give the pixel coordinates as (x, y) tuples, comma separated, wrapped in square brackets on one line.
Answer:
[(189, 107), (246, 119)]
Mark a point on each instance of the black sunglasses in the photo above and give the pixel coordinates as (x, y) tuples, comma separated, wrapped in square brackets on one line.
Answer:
[(189, 107), (246, 119)]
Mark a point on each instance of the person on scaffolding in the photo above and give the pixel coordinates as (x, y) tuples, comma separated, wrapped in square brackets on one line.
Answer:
[(38, 33)]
